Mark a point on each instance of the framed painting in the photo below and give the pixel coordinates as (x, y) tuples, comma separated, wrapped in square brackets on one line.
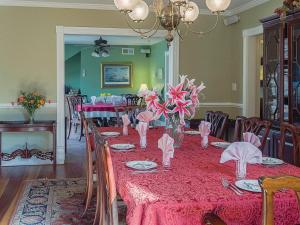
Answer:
[(116, 74)]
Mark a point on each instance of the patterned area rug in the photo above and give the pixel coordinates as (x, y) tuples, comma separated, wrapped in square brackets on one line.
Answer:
[(53, 202)]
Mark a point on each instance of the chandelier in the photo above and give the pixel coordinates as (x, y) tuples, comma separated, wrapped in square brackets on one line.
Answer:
[(168, 15)]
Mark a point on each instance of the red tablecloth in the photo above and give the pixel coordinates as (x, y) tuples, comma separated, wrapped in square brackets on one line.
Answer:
[(193, 187), (108, 107)]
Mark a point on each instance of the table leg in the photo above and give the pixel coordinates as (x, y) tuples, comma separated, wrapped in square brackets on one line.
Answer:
[(0, 147), (54, 144)]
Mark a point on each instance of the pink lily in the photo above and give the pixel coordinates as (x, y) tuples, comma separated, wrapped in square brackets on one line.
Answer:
[(176, 93), (195, 93), (181, 108), (182, 78), (161, 109), (151, 100)]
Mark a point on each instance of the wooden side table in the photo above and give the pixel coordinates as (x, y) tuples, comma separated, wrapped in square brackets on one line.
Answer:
[(21, 126)]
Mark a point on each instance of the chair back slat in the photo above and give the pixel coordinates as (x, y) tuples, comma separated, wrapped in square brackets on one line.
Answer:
[(254, 125), (285, 129), (132, 100), (270, 185), (219, 121)]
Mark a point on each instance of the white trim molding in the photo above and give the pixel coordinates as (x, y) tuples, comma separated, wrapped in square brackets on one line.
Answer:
[(247, 6), (69, 5), (249, 59), (63, 5), (221, 104), (16, 106)]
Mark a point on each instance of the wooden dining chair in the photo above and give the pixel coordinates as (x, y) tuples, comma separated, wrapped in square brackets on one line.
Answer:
[(213, 219), (254, 125), (219, 122), (287, 153), (270, 185), (132, 100), (106, 203), (90, 146), (75, 102)]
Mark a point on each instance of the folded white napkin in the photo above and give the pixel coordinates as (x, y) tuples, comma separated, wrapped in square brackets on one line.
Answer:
[(242, 151), (126, 122), (252, 138), (145, 116), (204, 129), (93, 99), (165, 143), (142, 130)]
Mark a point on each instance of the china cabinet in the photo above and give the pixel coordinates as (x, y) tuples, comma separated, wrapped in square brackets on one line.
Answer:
[(281, 102)]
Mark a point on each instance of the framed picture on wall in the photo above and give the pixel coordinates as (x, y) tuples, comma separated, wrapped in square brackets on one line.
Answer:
[(116, 74)]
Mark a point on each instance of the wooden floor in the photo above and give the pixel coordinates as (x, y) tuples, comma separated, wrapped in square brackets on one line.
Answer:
[(11, 178)]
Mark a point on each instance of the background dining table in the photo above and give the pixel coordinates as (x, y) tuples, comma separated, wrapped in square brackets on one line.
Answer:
[(192, 186), (100, 109)]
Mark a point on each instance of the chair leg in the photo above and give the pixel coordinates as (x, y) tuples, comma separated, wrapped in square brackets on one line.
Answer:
[(81, 130), (70, 127), (97, 213), (88, 194)]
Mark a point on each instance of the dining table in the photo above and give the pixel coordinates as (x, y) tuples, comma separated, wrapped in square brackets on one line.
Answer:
[(100, 109), (192, 187)]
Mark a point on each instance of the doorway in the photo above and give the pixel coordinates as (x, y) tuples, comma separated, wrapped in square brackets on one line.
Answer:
[(60, 36), (252, 71)]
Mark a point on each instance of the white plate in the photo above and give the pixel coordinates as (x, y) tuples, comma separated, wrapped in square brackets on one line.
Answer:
[(192, 132), (122, 146), (220, 144), (271, 161), (110, 134), (141, 165), (248, 185)]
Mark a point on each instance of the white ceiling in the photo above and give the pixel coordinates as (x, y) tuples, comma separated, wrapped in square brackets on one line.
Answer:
[(112, 40), (235, 7)]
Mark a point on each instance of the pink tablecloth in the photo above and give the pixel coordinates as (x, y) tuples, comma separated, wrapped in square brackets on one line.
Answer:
[(193, 187), (108, 107)]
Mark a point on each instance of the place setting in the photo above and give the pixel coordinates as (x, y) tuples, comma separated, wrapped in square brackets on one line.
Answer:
[(110, 134), (122, 147)]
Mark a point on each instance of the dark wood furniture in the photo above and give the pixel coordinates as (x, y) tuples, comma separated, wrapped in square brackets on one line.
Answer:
[(219, 122), (133, 100), (282, 69), (254, 125), (73, 103), (286, 152), (37, 126), (270, 185)]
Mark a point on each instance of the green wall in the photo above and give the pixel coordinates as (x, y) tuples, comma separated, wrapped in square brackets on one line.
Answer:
[(157, 65), (144, 68), (72, 71)]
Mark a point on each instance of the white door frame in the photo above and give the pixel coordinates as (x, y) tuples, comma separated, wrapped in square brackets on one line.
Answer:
[(60, 32), (248, 59)]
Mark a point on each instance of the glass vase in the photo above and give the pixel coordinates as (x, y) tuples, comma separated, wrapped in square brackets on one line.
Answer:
[(176, 131), (31, 117)]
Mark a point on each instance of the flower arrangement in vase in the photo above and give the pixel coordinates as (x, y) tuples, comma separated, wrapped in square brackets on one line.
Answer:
[(287, 5), (181, 102), (31, 101)]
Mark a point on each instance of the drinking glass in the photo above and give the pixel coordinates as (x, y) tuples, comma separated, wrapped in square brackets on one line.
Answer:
[(240, 169), (204, 142)]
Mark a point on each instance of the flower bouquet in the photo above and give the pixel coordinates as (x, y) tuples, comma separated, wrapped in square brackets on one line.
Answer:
[(181, 102), (31, 101), (287, 5)]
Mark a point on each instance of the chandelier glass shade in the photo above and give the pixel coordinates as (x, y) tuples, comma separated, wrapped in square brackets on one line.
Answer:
[(168, 15)]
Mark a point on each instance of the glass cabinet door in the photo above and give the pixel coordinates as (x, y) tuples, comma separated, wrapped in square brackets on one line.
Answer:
[(272, 73), (294, 29)]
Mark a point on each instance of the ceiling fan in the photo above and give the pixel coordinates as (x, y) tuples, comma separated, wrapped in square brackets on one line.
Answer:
[(101, 48)]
